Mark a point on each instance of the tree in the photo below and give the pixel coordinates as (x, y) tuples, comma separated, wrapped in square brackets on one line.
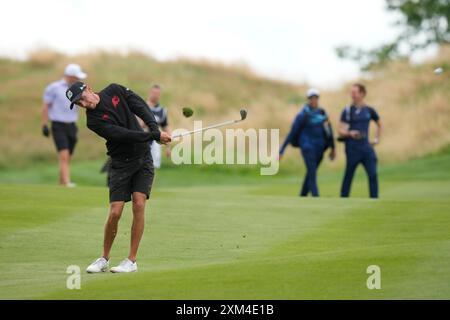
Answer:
[(423, 23)]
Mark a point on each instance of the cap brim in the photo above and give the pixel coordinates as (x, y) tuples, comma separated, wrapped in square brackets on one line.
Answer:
[(77, 97)]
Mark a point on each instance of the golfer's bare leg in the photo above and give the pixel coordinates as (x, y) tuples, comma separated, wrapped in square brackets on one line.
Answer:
[(137, 229), (64, 172), (111, 226)]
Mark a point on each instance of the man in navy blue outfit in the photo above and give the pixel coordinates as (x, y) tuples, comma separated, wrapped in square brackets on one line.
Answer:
[(354, 130), (312, 133)]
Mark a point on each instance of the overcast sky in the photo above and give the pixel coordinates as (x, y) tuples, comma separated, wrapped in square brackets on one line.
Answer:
[(292, 40)]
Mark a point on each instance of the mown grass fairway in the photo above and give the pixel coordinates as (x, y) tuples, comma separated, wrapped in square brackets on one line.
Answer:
[(224, 237)]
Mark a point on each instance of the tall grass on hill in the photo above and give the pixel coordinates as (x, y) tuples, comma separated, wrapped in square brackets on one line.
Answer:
[(412, 101), (214, 91), (414, 105)]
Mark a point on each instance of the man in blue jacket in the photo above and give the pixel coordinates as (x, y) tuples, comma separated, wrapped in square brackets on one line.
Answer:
[(354, 130), (312, 133)]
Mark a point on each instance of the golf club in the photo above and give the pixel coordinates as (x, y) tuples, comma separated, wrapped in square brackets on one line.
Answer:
[(243, 113)]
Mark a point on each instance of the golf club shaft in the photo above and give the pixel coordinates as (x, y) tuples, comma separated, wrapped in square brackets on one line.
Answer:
[(223, 124)]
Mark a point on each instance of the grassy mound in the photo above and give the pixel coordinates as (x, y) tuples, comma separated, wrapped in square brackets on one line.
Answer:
[(412, 101)]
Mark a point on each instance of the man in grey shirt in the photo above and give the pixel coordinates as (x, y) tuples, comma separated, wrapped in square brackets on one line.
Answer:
[(63, 119)]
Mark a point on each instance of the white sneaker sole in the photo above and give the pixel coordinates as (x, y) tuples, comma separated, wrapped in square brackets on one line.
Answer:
[(114, 271), (103, 270)]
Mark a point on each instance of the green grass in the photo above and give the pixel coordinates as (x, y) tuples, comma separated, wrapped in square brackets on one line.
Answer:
[(230, 234)]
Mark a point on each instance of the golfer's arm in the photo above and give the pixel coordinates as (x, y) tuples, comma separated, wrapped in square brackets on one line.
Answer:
[(166, 129), (45, 113), (141, 123), (140, 108), (119, 134)]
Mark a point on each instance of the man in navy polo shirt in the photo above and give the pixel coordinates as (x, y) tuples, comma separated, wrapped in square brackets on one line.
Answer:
[(354, 130)]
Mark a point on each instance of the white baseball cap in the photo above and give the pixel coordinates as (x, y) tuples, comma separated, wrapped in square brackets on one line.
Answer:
[(74, 70), (313, 93)]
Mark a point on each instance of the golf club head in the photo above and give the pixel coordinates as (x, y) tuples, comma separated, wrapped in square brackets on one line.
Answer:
[(243, 114)]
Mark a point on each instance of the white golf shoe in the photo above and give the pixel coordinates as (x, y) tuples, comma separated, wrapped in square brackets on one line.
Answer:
[(125, 266), (99, 265)]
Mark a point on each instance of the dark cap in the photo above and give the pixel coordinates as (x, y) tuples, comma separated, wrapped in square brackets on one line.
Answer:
[(74, 92)]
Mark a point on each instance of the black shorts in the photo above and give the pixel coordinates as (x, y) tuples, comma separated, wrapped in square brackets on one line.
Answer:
[(126, 177), (64, 135)]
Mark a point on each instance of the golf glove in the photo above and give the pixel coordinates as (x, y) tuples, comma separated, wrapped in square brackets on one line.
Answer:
[(45, 131)]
